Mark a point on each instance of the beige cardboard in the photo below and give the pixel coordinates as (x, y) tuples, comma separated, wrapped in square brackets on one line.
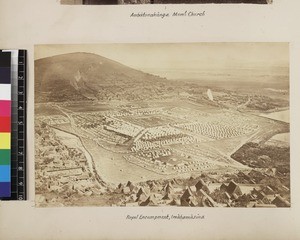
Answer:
[(25, 23)]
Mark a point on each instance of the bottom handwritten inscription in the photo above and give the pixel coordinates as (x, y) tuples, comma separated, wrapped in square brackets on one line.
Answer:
[(165, 217)]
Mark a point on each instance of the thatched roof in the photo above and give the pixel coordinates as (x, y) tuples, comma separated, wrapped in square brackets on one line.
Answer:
[(150, 201), (187, 194)]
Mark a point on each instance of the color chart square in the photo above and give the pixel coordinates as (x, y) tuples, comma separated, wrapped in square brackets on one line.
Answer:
[(5, 156), (5, 74), (4, 140), (4, 173), (5, 59), (5, 108), (5, 189), (5, 124), (5, 91)]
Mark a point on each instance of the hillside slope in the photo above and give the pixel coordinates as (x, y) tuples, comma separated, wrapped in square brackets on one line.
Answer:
[(83, 76)]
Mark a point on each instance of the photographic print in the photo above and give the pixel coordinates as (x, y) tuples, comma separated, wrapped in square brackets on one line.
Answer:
[(115, 2), (183, 124)]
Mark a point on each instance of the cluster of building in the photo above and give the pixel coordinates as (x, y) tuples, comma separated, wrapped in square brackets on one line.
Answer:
[(245, 123), (144, 146), (88, 120), (101, 133), (105, 128), (141, 145), (196, 194), (129, 112), (121, 127), (161, 132), (60, 170), (167, 161), (156, 153), (146, 111), (217, 129), (192, 166), (261, 196), (154, 194)]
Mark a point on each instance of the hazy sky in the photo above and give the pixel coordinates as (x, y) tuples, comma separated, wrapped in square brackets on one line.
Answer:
[(183, 60)]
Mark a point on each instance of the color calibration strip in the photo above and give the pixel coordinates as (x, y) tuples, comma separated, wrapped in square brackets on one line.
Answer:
[(5, 124), (15, 108)]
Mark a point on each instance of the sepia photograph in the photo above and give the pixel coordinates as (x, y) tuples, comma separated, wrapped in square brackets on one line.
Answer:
[(163, 124), (122, 2)]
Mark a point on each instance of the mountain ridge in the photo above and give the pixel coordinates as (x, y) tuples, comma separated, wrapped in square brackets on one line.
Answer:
[(85, 76)]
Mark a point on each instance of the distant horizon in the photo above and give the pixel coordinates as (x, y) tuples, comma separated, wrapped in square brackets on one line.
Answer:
[(189, 61), (169, 73)]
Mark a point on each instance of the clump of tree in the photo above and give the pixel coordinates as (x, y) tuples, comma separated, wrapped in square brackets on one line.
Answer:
[(263, 156)]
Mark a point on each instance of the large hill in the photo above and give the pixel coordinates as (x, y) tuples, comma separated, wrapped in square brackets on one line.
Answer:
[(83, 76)]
